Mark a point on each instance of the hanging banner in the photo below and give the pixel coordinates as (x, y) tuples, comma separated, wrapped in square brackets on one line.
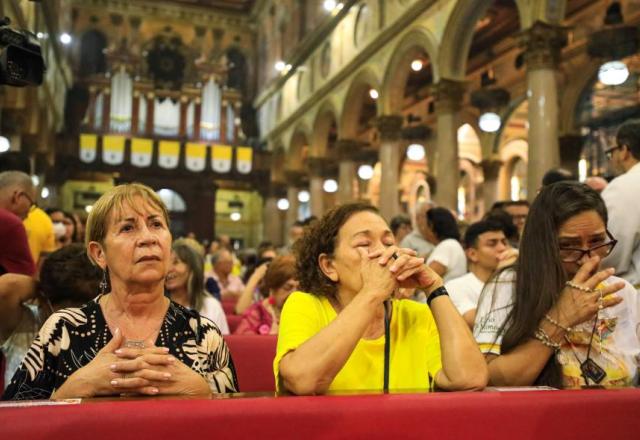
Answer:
[(88, 147), (141, 152), (169, 154), (113, 149), (196, 156), (221, 158), (244, 156)]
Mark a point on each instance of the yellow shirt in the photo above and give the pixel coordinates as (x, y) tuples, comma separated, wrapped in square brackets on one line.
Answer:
[(415, 345), (39, 233)]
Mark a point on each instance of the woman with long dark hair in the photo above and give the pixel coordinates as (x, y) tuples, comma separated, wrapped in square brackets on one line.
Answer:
[(556, 318)]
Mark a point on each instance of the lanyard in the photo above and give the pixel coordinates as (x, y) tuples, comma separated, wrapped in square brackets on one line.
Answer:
[(387, 345)]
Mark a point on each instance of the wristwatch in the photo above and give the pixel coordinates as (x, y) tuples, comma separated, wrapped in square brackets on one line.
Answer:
[(436, 293)]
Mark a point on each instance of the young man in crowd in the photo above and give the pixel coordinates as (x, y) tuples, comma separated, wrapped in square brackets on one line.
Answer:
[(517, 209), (487, 249), (621, 198)]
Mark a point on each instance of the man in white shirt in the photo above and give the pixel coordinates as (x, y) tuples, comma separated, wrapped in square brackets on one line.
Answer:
[(416, 239), (486, 248), (622, 200)]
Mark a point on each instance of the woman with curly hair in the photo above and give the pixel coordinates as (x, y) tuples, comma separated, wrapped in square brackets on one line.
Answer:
[(349, 333)]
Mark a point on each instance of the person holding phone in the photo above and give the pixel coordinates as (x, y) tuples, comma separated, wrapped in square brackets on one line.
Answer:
[(556, 317), (345, 332)]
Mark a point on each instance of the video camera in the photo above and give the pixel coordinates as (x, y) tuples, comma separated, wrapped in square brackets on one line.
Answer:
[(21, 62)]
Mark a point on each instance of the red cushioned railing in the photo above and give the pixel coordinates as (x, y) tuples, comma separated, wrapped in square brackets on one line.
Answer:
[(253, 359)]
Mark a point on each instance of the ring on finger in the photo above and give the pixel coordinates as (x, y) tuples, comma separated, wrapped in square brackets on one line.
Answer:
[(394, 255)]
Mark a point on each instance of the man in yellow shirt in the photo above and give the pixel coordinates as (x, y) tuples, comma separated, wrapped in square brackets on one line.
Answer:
[(39, 234)]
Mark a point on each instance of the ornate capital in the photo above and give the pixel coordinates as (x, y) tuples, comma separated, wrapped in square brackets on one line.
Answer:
[(295, 178), (321, 166), (347, 149), (542, 43), (389, 126), (491, 168), (275, 189), (368, 156), (448, 95)]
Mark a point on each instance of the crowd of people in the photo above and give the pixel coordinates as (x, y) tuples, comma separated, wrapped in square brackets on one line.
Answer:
[(532, 294)]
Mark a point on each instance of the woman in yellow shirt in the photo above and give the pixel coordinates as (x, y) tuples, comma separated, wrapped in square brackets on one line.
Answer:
[(349, 334)]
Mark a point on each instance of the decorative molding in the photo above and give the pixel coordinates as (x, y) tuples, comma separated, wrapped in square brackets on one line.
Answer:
[(195, 15)]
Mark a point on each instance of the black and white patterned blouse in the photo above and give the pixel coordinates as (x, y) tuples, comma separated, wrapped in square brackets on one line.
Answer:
[(71, 338)]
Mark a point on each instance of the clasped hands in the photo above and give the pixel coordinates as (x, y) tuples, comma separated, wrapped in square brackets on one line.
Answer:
[(390, 270), (148, 370)]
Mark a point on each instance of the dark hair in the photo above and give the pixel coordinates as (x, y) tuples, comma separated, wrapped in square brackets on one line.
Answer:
[(68, 277), (398, 221), (540, 276), (555, 175), (443, 223), (280, 270), (321, 238), (478, 228), (629, 135), (194, 261), (501, 204), (500, 216)]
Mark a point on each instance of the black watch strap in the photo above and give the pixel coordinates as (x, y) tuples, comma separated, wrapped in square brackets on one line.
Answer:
[(436, 293)]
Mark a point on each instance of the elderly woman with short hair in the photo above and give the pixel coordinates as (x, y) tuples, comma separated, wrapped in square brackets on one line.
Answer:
[(133, 339)]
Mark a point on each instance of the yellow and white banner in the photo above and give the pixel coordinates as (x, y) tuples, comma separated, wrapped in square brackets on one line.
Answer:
[(113, 149), (141, 152), (244, 157), (221, 158), (169, 154), (196, 156), (88, 147)]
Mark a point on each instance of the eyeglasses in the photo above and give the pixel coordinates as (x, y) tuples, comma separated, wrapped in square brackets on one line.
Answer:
[(32, 203), (573, 255), (609, 153)]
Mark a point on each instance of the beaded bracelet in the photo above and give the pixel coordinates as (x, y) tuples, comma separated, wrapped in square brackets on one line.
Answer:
[(557, 324), (544, 338), (579, 287)]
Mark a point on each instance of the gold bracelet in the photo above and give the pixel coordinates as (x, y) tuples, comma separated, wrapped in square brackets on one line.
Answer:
[(557, 324)]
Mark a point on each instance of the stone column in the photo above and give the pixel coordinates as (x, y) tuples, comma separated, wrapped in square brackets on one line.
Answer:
[(389, 127), (491, 170), (347, 151), (542, 43), (448, 95), (294, 180), (272, 220), (316, 170)]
